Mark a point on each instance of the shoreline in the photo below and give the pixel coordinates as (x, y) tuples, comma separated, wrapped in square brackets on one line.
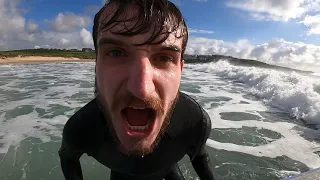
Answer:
[(40, 59)]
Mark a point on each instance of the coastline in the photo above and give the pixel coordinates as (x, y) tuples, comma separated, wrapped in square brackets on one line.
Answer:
[(40, 59)]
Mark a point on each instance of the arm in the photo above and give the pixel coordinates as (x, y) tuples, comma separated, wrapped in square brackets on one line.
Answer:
[(70, 162), (200, 159), (202, 165), (175, 173)]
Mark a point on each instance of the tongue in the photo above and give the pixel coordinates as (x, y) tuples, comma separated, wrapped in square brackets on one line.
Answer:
[(137, 117)]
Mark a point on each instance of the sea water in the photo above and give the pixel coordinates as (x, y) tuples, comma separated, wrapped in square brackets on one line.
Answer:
[(264, 121)]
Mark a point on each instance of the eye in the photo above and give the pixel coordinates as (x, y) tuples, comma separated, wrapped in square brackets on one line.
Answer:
[(165, 58), (115, 53)]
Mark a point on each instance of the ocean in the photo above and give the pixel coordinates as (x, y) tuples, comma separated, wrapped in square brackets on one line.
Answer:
[(265, 122)]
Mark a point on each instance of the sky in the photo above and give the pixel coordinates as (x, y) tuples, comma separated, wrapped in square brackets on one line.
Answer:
[(281, 32)]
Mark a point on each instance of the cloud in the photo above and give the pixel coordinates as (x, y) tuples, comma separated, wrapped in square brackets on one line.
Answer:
[(276, 51), (313, 22), (200, 31), (275, 10), (281, 10), (86, 38), (32, 27), (14, 29), (64, 40), (70, 21), (18, 33)]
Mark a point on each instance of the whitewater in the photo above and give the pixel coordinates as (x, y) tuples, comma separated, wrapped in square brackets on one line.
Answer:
[(297, 94), (265, 122)]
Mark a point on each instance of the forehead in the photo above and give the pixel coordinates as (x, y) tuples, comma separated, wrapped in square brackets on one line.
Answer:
[(129, 20)]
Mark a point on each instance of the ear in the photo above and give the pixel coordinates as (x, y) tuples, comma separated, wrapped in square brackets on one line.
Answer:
[(182, 64)]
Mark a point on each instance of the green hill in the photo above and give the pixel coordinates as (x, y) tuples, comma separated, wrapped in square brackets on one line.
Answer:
[(83, 54), (48, 53)]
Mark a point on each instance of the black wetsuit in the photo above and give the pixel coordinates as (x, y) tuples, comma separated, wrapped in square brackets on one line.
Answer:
[(87, 132)]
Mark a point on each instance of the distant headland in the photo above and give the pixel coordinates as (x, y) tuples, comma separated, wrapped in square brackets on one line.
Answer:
[(43, 55)]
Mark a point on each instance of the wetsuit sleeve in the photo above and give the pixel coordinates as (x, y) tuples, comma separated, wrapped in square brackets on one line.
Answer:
[(200, 160), (69, 158)]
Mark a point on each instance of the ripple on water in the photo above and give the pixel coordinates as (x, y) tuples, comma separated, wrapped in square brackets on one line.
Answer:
[(238, 116), (244, 102), (15, 95), (32, 84), (85, 84), (246, 136), (190, 88), (18, 111), (317, 89), (56, 110), (82, 97), (229, 165), (40, 160), (213, 101), (272, 116), (240, 166)]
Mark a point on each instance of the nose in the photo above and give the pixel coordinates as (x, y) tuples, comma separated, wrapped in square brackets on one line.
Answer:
[(140, 80)]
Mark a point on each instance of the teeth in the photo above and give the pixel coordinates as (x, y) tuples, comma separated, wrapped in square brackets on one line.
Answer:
[(138, 128), (134, 107)]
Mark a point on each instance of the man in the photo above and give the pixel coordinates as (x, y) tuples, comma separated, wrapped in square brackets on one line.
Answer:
[(139, 124)]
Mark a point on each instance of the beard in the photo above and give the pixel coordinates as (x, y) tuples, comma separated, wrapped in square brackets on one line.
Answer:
[(155, 103)]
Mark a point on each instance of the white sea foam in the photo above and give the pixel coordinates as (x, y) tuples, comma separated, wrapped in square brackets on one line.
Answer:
[(211, 80), (297, 142), (21, 127), (289, 91), (292, 144), (16, 129), (316, 74)]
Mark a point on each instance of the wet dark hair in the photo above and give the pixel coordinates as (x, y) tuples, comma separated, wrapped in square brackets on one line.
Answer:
[(160, 16)]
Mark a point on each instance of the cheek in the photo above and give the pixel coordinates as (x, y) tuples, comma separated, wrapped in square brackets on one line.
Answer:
[(169, 82), (102, 77), (105, 80)]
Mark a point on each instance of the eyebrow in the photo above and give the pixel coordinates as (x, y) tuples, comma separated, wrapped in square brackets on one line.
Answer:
[(104, 41), (170, 47)]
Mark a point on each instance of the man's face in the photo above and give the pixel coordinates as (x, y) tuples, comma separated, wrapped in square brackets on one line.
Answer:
[(137, 86)]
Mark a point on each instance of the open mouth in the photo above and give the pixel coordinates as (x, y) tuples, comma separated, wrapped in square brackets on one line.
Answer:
[(138, 121)]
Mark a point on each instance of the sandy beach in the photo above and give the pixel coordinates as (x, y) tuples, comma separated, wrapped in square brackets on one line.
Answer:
[(40, 59)]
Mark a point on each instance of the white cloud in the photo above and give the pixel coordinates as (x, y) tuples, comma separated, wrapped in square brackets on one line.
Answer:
[(17, 33), (64, 40), (276, 51), (32, 27), (86, 38), (276, 10), (313, 22), (200, 31), (70, 21), (13, 27)]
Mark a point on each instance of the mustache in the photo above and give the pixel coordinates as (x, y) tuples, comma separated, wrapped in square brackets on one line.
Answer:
[(130, 100)]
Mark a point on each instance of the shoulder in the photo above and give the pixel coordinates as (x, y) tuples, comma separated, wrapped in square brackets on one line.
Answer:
[(84, 128), (188, 117), (194, 111), (188, 106), (199, 126)]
